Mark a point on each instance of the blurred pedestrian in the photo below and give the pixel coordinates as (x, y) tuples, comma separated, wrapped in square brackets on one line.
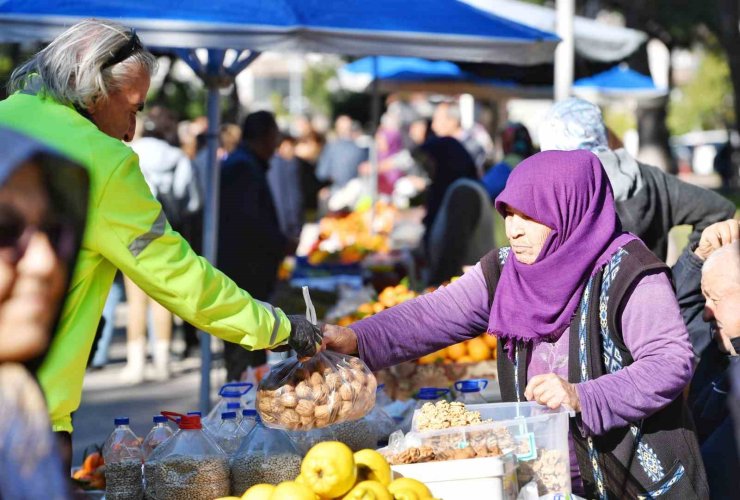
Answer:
[(81, 95), (341, 157), (250, 244), (459, 223), (649, 201), (516, 144), (308, 151), (447, 122), (284, 177), (43, 200)]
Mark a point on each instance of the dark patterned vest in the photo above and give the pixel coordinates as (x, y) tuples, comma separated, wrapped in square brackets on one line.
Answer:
[(656, 457)]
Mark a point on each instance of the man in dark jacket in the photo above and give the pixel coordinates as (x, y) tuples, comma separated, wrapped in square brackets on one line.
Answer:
[(649, 201), (707, 278), (250, 244)]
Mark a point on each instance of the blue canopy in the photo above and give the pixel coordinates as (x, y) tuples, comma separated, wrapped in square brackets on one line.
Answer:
[(416, 74), (407, 69), (618, 83), (435, 29), (619, 78)]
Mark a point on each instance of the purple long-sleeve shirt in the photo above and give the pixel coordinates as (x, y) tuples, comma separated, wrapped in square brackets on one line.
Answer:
[(652, 328)]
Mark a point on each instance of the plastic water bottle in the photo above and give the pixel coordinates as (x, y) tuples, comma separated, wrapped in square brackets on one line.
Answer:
[(249, 420), (226, 434), (123, 459), (236, 408), (230, 393), (160, 433), (470, 391)]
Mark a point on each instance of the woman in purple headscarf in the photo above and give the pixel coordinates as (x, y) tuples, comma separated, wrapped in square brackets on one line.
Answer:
[(586, 317)]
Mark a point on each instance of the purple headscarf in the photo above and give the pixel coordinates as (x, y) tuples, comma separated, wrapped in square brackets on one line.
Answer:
[(569, 192)]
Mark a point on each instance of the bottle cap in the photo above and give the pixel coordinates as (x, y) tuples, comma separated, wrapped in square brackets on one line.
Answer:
[(233, 405), (227, 415), (120, 421), (431, 393), (248, 412), (159, 419), (475, 385), (195, 414)]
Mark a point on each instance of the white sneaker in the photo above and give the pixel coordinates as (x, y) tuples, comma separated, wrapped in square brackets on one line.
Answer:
[(133, 373)]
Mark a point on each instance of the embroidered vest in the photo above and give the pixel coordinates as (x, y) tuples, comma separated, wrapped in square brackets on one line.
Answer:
[(657, 457)]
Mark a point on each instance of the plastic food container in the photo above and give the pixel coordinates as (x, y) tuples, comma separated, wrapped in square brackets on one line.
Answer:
[(537, 436), (493, 478)]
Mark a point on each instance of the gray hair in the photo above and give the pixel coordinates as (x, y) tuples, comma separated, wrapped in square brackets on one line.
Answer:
[(70, 68), (573, 124), (729, 257)]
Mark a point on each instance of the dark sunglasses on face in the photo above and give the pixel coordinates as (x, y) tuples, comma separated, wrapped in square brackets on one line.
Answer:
[(16, 234)]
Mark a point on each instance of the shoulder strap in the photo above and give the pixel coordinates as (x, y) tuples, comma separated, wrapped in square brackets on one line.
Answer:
[(491, 272), (639, 263)]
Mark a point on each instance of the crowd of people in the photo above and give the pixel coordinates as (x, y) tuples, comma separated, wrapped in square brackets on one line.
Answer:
[(586, 311)]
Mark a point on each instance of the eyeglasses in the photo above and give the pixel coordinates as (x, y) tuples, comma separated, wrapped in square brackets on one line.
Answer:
[(16, 234), (127, 50)]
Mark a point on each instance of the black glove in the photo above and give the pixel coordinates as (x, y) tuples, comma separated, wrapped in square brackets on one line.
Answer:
[(305, 338)]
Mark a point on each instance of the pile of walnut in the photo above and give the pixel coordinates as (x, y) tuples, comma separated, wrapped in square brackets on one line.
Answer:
[(442, 415), (441, 429), (318, 393)]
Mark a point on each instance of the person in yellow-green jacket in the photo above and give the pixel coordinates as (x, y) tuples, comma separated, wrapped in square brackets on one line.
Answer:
[(81, 95)]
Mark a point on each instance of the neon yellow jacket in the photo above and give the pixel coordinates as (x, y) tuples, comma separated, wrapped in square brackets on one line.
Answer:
[(126, 229)]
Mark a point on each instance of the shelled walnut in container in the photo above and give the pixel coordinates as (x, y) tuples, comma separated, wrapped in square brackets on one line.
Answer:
[(329, 388)]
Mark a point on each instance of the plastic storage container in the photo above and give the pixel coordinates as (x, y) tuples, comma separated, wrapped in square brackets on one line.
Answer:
[(160, 433), (470, 391), (537, 435), (226, 436), (265, 456), (189, 465), (493, 478), (230, 393), (123, 458)]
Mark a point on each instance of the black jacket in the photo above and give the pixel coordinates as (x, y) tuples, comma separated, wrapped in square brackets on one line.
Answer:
[(250, 243), (664, 202)]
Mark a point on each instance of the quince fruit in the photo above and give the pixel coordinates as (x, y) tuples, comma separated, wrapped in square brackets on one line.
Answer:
[(368, 490), (291, 490), (259, 492), (372, 466), (405, 488), (329, 469)]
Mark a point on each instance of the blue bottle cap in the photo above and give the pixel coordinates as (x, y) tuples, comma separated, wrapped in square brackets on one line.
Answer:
[(431, 393), (233, 405), (120, 421), (227, 415), (249, 413), (159, 419), (475, 385), (195, 413)]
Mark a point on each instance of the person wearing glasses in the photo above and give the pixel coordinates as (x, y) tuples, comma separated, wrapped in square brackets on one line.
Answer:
[(81, 95), (43, 200)]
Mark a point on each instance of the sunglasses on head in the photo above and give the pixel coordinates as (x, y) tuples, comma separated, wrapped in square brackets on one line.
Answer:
[(125, 51), (16, 234)]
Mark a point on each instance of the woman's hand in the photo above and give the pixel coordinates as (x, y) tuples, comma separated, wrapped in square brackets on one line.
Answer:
[(552, 391), (339, 339)]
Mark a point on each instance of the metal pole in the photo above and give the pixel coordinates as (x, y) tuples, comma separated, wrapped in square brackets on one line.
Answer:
[(210, 215), (564, 53)]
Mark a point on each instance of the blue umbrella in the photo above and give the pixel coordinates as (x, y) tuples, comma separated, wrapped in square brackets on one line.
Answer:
[(619, 82), (407, 69), (437, 29)]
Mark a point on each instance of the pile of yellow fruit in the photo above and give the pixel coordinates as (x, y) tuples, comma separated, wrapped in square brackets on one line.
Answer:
[(480, 348), (330, 470), (389, 297)]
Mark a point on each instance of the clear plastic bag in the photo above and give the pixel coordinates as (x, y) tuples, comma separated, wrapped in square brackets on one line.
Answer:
[(265, 456), (326, 389), (189, 465)]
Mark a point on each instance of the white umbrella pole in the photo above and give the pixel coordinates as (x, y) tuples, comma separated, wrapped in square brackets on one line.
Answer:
[(565, 51)]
